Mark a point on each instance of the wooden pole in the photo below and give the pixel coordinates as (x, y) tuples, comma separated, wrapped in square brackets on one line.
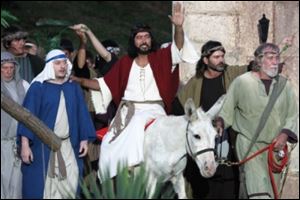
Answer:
[(30, 121)]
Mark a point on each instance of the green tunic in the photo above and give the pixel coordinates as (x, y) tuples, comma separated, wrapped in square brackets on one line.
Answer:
[(224, 176), (194, 86), (242, 109)]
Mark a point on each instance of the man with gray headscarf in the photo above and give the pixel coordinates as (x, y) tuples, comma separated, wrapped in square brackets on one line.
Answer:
[(247, 98), (14, 87)]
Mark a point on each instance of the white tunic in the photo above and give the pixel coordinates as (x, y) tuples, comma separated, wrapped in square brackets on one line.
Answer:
[(102, 98), (127, 148), (141, 85), (54, 187)]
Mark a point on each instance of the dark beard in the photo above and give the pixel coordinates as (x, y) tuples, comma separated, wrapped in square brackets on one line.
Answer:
[(218, 68), (142, 51)]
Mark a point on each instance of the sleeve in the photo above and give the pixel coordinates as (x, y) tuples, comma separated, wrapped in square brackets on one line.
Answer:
[(292, 137), (230, 102), (25, 85), (32, 103), (186, 54), (177, 108), (237, 70), (37, 64), (106, 66), (291, 119), (187, 91), (102, 98), (86, 126), (83, 72)]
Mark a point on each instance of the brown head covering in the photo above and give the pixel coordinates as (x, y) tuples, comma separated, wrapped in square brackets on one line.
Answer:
[(11, 33)]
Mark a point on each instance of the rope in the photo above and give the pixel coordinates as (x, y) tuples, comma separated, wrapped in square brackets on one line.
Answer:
[(273, 165)]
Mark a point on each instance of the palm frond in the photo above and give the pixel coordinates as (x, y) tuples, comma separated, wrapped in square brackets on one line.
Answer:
[(52, 22), (7, 18), (126, 185)]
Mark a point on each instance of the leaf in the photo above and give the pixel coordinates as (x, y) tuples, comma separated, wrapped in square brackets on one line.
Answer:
[(127, 185), (52, 22), (4, 23), (7, 17), (54, 42)]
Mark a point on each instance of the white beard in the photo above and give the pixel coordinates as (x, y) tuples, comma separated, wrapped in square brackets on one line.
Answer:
[(271, 72)]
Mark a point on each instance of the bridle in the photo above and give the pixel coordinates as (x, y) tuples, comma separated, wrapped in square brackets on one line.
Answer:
[(189, 150)]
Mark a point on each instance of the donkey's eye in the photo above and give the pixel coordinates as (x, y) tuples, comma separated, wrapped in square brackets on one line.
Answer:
[(197, 137)]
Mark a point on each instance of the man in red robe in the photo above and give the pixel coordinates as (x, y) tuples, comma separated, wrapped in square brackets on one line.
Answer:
[(143, 84)]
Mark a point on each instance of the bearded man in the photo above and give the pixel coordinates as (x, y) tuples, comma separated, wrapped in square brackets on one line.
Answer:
[(247, 98), (143, 84), (212, 79)]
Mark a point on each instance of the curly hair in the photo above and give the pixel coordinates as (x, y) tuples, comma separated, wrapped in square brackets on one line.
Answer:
[(11, 33), (206, 51), (132, 49)]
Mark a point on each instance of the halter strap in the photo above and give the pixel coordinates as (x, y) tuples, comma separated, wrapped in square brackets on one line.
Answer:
[(194, 155)]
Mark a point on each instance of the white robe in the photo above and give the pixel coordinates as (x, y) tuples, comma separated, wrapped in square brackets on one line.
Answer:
[(54, 187), (127, 148)]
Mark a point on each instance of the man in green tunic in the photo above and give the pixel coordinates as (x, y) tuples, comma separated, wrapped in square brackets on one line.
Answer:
[(212, 79), (245, 101)]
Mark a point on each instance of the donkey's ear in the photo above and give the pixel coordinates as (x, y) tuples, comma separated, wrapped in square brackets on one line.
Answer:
[(215, 109), (201, 114), (190, 110)]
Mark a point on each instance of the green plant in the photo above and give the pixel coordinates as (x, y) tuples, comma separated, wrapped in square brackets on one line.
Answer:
[(7, 18), (126, 185), (51, 32)]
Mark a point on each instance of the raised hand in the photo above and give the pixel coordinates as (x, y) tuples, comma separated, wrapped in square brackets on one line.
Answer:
[(79, 27), (178, 14), (81, 36), (288, 40), (286, 43)]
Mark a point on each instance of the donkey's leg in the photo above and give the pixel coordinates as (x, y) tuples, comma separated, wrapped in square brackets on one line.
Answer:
[(179, 187), (151, 185)]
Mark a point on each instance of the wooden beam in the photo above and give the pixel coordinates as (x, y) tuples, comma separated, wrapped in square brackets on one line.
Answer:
[(30, 121)]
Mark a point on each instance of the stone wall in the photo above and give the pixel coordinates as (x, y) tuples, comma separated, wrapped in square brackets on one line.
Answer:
[(234, 23)]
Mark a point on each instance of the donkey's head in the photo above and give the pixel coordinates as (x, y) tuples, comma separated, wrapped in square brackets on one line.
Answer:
[(200, 138)]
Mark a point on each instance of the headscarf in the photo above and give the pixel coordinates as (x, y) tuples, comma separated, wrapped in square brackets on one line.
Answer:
[(15, 90), (11, 33), (48, 72), (111, 46), (8, 57)]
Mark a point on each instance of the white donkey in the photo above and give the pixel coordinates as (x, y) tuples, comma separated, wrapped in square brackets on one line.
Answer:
[(170, 138)]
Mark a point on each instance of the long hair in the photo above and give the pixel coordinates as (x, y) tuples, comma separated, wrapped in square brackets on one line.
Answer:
[(206, 51), (132, 49)]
